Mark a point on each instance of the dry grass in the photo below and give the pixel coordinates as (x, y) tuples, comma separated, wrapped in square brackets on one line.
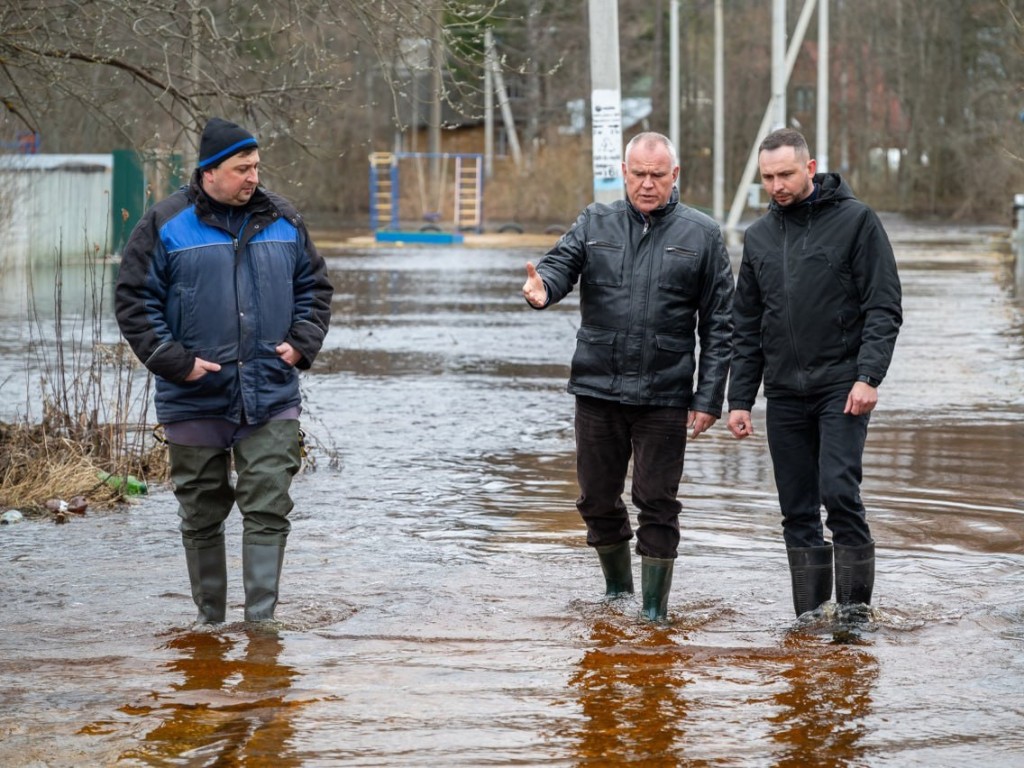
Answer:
[(93, 398), (91, 404), (36, 466)]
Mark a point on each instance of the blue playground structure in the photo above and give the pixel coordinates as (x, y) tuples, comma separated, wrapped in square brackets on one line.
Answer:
[(466, 206)]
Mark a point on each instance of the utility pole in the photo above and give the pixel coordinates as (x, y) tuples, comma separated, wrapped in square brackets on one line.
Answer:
[(821, 148), (498, 79), (437, 94), (718, 176), (605, 100), (751, 167), (673, 75), (779, 74), (488, 104)]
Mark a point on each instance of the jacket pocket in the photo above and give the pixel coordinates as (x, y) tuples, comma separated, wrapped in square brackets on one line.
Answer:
[(839, 269), (674, 365), (678, 271), (180, 313), (276, 372), (593, 363), (604, 263)]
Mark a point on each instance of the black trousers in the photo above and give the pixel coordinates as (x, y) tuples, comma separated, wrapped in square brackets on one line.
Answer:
[(608, 434), (817, 452)]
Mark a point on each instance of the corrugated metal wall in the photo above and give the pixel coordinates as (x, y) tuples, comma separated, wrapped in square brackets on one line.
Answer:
[(52, 204)]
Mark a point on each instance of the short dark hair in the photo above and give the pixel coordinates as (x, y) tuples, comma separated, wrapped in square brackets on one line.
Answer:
[(784, 137)]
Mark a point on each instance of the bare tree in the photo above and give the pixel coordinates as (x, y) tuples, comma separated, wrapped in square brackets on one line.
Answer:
[(326, 82), (280, 65)]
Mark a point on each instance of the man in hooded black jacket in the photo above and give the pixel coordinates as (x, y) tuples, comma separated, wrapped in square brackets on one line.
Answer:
[(816, 314)]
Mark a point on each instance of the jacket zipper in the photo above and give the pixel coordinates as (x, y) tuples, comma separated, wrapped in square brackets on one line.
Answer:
[(789, 309)]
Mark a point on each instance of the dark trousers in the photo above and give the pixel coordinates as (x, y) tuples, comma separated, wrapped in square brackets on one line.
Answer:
[(608, 434), (817, 453)]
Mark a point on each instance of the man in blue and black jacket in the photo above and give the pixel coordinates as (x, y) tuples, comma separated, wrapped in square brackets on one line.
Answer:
[(224, 298), (816, 316)]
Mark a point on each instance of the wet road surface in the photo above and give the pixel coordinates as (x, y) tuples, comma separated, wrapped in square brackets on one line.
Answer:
[(439, 605)]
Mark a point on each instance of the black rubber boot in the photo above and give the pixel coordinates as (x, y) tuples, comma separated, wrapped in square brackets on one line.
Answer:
[(207, 570), (261, 574), (618, 569), (810, 569), (656, 582), (855, 574)]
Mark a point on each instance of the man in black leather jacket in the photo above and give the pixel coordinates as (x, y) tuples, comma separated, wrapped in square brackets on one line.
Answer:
[(817, 312), (654, 276)]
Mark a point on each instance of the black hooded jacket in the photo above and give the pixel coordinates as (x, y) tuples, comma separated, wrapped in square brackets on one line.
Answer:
[(818, 298)]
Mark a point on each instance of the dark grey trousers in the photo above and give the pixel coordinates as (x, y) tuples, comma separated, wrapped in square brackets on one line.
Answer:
[(608, 434)]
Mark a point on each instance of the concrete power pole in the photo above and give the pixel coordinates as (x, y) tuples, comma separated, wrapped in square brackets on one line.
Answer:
[(779, 74), (821, 150), (718, 191), (673, 74), (488, 104), (605, 100), (436, 95), (766, 122)]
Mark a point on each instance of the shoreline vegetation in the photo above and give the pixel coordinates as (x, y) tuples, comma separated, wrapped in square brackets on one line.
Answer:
[(90, 446)]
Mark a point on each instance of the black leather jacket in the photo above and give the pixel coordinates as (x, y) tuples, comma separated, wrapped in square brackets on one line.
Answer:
[(818, 298), (648, 289)]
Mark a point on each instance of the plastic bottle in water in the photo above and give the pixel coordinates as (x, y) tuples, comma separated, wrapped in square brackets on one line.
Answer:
[(129, 484)]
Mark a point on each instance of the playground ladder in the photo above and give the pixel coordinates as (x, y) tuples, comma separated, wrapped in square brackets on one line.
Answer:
[(468, 193), (383, 190)]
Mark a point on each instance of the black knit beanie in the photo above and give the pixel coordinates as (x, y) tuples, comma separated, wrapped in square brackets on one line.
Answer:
[(221, 140)]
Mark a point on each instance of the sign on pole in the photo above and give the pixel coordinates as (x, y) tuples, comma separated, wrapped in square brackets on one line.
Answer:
[(605, 100)]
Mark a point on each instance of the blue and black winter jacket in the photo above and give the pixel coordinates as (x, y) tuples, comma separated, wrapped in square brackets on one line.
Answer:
[(187, 287)]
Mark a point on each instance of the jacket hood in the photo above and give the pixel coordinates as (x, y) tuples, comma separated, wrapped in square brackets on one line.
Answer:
[(831, 189)]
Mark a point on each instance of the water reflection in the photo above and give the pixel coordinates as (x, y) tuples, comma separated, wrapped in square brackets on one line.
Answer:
[(227, 709), (652, 696), (630, 691), (824, 706)]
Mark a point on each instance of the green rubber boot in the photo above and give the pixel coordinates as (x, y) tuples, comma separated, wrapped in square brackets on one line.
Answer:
[(261, 574), (855, 574), (265, 462), (202, 487), (207, 571), (810, 569), (656, 581), (617, 566)]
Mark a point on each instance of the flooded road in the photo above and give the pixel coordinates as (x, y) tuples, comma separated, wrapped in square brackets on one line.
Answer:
[(439, 605)]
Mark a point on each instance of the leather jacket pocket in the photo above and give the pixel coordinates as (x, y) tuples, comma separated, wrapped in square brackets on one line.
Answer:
[(678, 271), (593, 363), (604, 263), (674, 365)]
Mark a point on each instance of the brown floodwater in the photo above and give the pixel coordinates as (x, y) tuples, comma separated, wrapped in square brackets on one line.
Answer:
[(439, 605)]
